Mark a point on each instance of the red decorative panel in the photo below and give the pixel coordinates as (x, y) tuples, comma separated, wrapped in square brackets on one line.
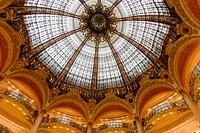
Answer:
[(3, 51), (183, 57), (194, 7)]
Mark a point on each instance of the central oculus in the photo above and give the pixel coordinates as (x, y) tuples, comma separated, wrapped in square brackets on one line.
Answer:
[(98, 23)]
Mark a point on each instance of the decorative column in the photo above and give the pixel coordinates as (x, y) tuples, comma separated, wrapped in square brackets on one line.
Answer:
[(89, 128), (193, 107), (138, 124), (38, 121)]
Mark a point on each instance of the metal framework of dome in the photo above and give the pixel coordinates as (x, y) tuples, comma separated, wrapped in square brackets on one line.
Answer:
[(99, 44)]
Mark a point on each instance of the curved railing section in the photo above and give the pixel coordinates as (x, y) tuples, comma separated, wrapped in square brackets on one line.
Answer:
[(195, 76), (49, 122), (115, 126), (4, 129), (164, 107), (21, 99)]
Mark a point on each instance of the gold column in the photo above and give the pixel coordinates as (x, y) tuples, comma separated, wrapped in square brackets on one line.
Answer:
[(37, 122), (89, 128), (138, 124), (193, 107)]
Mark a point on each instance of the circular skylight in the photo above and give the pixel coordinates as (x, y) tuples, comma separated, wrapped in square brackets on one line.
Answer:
[(103, 57)]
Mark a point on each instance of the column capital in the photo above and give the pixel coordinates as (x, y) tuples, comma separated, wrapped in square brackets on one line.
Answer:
[(138, 124), (89, 123), (89, 127), (182, 92), (137, 118)]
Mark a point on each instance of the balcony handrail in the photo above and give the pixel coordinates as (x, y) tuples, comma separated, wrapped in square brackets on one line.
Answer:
[(112, 125), (63, 121), (21, 99), (195, 74), (5, 129), (163, 107)]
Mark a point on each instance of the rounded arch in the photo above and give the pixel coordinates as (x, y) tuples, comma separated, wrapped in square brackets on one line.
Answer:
[(9, 48), (71, 102), (150, 89), (111, 104), (188, 10), (35, 82), (192, 7), (183, 57)]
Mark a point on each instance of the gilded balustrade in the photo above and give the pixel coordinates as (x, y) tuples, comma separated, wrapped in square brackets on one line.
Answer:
[(20, 98), (115, 126), (194, 83), (4, 129), (51, 122), (178, 105)]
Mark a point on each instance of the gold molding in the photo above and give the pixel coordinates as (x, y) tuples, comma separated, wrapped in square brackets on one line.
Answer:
[(36, 78), (149, 86), (5, 3), (70, 97), (13, 41), (110, 100), (174, 53)]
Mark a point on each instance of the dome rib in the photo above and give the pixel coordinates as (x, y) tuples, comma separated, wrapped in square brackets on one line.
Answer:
[(156, 61), (40, 48), (85, 5), (151, 18), (120, 65), (71, 61), (114, 5), (95, 68), (27, 10)]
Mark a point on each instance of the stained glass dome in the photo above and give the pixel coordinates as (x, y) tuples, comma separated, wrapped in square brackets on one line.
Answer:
[(61, 39)]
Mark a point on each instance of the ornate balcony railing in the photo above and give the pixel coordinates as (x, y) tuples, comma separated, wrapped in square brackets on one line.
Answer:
[(117, 126), (194, 78), (21, 99), (4, 129), (48, 122), (162, 108)]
